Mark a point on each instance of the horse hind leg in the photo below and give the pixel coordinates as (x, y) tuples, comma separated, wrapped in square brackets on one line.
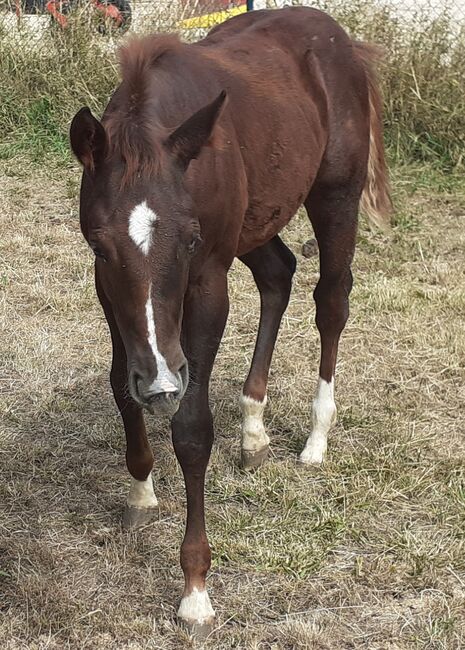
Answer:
[(272, 266), (333, 213)]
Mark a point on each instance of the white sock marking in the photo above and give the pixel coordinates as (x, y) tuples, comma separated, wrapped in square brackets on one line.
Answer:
[(324, 416), (165, 381), (254, 435), (141, 494), (141, 222), (196, 607)]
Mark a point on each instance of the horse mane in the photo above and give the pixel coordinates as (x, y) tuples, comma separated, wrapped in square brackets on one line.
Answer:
[(131, 133)]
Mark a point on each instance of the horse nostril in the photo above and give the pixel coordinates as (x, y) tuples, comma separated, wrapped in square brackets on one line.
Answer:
[(135, 381), (182, 377), (168, 387)]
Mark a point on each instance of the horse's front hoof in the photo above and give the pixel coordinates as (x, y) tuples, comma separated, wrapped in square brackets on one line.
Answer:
[(316, 460), (198, 630), (134, 518), (253, 459), (313, 455)]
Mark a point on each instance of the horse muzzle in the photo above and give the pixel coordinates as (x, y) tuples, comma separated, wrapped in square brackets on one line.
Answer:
[(162, 395)]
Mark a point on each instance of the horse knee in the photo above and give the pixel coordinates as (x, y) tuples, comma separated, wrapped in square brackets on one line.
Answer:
[(193, 439)]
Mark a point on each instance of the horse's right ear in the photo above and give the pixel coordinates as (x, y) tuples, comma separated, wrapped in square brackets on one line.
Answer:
[(186, 142), (88, 139)]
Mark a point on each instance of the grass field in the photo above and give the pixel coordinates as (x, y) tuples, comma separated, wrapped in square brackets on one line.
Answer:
[(366, 552)]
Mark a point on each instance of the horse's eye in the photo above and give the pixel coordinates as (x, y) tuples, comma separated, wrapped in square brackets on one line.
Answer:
[(196, 240)]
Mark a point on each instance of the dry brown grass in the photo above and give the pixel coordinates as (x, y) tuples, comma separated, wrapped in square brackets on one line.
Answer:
[(366, 552)]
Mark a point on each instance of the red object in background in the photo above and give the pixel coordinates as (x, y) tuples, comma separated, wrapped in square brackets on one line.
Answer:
[(53, 7), (109, 11)]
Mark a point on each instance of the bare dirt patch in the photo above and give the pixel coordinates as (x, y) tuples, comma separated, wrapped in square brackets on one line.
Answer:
[(366, 552)]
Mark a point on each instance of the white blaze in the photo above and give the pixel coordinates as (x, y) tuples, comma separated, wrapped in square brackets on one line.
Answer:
[(165, 381), (141, 494), (254, 436), (141, 222), (196, 607), (324, 416)]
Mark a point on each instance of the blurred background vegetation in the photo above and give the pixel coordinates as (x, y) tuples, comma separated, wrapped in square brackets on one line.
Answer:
[(47, 72)]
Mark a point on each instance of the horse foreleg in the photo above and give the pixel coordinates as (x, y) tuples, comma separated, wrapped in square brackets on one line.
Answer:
[(205, 314), (142, 505)]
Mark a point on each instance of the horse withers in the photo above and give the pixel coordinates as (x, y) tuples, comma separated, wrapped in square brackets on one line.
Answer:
[(204, 153)]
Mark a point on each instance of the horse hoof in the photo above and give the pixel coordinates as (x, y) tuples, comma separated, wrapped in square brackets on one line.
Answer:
[(198, 630), (253, 459), (312, 458), (134, 518)]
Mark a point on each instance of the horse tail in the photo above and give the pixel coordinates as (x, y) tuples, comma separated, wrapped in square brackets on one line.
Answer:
[(376, 200)]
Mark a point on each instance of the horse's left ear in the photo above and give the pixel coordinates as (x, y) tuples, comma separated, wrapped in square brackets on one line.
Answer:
[(187, 141), (88, 139)]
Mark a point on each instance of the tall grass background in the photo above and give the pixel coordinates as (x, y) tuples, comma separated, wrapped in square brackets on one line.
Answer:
[(44, 81)]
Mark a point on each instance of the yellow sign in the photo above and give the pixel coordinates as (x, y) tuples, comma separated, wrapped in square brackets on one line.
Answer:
[(209, 20)]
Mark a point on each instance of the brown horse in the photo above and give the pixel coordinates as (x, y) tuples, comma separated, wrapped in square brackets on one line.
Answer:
[(204, 153)]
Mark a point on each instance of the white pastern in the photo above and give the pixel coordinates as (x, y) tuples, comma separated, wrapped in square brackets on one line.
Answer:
[(254, 436), (141, 222), (165, 381), (141, 494), (324, 416), (196, 607)]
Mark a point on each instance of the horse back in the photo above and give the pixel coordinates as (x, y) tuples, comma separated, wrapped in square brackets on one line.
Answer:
[(298, 97)]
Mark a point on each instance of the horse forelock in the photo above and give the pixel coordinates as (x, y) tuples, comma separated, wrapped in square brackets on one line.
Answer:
[(131, 133)]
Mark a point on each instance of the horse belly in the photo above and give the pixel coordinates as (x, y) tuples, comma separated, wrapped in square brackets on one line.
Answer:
[(278, 185)]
